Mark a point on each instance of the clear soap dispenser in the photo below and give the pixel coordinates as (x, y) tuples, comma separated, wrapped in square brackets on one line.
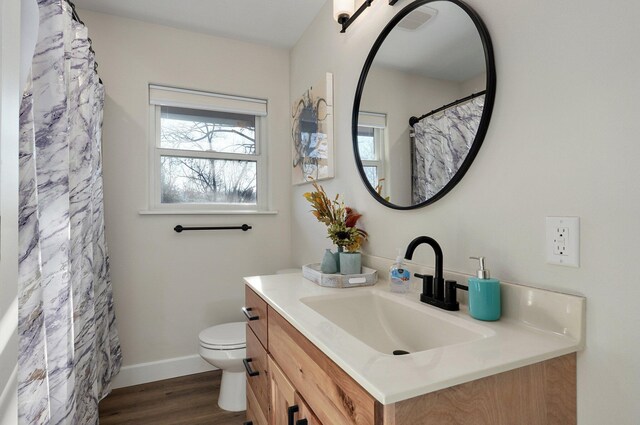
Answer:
[(399, 276), (484, 294)]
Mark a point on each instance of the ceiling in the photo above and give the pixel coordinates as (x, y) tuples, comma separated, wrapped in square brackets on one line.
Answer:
[(278, 23), (446, 47)]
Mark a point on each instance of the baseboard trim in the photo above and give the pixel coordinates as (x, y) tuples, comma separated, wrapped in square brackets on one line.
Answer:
[(142, 373)]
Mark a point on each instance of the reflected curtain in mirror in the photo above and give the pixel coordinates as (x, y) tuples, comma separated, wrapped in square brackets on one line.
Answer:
[(440, 143)]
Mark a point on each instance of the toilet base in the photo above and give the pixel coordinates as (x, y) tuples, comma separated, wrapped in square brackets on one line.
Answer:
[(233, 391)]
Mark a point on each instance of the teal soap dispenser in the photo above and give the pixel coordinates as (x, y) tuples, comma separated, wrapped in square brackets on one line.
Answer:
[(484, 295)]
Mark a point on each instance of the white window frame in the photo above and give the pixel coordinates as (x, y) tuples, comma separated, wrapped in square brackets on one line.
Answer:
[(378, 122), (160, 96)]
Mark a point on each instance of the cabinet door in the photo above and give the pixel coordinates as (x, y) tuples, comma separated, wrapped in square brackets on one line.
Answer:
[(282, 396), (257, 371), (304, 416), (332, 394), (287, 407)]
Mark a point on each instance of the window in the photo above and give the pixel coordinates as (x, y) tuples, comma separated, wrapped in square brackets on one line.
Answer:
[(371, 146), (207, 151)]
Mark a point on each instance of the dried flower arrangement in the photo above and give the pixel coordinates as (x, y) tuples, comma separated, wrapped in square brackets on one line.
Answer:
[(339, 219)]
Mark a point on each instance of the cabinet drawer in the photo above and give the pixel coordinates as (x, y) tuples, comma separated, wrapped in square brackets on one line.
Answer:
[(257, 372), (255, 415), (333, 395), (256, 311)]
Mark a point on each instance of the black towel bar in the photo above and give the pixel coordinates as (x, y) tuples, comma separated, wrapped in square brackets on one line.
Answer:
[(179, 228)]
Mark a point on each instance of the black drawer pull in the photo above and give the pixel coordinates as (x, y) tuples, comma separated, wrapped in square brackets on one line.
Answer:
[(247, 423), (291, 410), (247, 366), (250, 317), (301, 422)]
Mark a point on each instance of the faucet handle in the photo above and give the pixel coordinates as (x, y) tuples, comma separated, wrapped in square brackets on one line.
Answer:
[(450, 296), (427, 283)]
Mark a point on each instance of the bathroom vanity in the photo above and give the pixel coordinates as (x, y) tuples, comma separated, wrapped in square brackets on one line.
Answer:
[(326, 356)]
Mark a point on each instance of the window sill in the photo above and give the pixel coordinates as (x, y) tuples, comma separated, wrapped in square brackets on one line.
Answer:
[(205, 212)]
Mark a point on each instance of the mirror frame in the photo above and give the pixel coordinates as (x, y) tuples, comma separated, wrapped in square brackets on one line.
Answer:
[(484, 120)]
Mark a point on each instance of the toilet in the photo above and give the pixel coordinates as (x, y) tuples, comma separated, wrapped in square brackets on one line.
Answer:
[(224, 346)]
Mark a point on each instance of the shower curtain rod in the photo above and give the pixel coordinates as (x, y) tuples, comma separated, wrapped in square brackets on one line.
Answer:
[(76, 18), (415, 120)]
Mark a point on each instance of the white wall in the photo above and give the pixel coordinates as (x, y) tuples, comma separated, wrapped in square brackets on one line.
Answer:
[(474, 85), (9, 111), (169, 286), (563, 141)]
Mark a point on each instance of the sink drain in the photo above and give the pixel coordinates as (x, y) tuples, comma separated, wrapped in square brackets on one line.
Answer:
[(400, 352)]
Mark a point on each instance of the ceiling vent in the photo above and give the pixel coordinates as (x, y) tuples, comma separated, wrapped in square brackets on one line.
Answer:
[(417, 18)]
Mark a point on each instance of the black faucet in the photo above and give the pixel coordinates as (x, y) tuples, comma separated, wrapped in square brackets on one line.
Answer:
[(443, 293)]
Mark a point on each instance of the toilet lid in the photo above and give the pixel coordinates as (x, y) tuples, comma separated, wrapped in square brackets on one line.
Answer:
[(227, 335)]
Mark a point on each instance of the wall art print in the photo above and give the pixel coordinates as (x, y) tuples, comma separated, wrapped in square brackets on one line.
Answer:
[(312, 133)]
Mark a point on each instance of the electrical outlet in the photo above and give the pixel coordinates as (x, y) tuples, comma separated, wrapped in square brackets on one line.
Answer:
[(563, 241), (560, 238)]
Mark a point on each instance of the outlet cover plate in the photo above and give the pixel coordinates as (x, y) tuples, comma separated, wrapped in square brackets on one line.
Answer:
[(563, 241)]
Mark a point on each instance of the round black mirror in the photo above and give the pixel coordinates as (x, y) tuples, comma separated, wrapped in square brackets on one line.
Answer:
[(423, 103)]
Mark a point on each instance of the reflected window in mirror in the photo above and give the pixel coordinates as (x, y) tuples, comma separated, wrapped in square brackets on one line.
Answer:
[(371, 145)]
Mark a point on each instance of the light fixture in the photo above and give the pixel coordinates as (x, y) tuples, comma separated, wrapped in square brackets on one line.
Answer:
[(343, 11)]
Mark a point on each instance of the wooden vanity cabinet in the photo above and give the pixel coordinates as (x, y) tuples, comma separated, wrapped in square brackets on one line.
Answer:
[(305, 415), (282, 395), (255, 309), (332, 395), (286, 403), (255, 415), (257, 376), (256, 362), (299, 374)]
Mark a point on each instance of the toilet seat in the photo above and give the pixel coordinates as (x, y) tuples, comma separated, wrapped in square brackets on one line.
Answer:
[(223, 347), (228, 336)]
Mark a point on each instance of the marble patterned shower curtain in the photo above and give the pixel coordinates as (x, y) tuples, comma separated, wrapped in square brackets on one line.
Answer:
[(68, 344), (440, 144)]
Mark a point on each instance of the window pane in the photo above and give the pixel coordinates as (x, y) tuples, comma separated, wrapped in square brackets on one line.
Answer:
[(372, 175), (204, 180), (366, 144), (198, 130)]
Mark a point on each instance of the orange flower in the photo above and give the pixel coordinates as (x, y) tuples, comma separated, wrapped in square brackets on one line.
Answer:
[(352, 218)]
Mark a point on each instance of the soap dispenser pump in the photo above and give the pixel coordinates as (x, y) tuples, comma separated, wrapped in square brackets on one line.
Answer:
[(484, 294)]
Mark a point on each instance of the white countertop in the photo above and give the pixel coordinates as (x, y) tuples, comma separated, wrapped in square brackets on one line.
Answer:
[(546, 325)]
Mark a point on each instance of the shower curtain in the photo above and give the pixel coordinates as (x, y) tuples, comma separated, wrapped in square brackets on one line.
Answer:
[(440, 144), (68, 344)]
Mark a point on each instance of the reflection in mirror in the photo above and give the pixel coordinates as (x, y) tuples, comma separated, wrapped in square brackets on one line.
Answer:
[(423, 102), (371, 146)]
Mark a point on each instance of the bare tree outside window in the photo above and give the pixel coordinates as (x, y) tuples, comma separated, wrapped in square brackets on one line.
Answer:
[(210, 179)]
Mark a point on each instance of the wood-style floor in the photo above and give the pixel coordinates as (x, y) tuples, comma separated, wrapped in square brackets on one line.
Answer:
[(188, 400)]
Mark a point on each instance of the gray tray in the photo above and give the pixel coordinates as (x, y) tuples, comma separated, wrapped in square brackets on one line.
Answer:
[(312, 272)]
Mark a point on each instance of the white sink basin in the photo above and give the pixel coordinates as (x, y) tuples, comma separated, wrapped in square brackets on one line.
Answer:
[(387, 322)]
